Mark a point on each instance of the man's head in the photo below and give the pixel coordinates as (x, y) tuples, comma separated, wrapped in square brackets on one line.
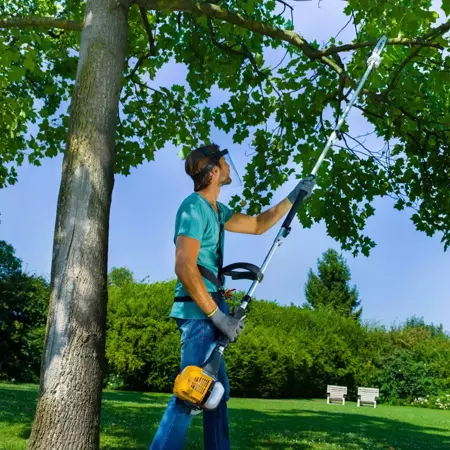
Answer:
[(207, 167)]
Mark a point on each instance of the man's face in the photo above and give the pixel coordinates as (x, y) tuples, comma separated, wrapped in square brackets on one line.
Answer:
[(224, 175)]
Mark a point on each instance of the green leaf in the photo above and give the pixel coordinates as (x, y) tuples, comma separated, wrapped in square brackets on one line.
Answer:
[(16, 73), (29, 63)]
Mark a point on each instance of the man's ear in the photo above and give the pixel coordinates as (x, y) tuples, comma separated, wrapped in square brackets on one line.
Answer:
[(215, 170)]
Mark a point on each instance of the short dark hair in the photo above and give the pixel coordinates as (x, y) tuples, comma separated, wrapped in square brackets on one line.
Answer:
[(196, 161)]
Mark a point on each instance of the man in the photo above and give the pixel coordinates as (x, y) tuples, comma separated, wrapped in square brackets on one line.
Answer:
[(201, 312)]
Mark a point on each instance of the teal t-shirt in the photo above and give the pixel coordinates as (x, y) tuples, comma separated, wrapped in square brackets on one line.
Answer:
[(196, 218)]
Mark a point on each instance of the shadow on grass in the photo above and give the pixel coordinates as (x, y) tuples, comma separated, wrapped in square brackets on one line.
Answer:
[(293, 429), (133, 423), (135, 397), (304, 429), (17, 406)]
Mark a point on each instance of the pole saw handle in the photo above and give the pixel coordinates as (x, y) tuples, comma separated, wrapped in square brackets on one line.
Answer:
[(239, 313), (293, 211)]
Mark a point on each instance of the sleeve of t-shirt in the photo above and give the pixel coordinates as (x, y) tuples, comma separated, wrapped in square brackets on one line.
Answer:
[(192, 222), (227, 212)]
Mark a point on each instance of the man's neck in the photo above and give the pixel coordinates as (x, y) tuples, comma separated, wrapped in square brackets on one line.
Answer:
[(211, 193)]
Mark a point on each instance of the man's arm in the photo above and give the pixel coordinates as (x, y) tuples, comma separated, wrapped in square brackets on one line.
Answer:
[(241, 223), (187, 272)]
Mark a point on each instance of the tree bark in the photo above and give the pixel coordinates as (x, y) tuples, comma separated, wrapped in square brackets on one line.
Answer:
[(40, 22), (68, 410)]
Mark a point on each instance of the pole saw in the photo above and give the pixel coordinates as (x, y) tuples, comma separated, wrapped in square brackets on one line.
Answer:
[(199, 387)]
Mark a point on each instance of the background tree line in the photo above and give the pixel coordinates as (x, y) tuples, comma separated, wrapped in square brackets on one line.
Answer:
[(284, 352)]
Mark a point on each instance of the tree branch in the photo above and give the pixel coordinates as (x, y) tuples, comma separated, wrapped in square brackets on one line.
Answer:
[(220, 45), (217, 12), (286, 5), (40, 22), (139, 63), (396, 41), (148, 29), (439, 30), (366, 111), (393, 82), (230, 49), (423, 42)]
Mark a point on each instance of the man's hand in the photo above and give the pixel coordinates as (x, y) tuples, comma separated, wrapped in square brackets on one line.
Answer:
[(229, 326), (307, 184)]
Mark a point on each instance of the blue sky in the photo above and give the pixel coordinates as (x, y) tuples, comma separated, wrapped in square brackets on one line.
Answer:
[(406, 274)]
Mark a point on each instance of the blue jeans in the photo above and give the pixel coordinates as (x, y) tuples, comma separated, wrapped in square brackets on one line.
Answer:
[(198, 339)]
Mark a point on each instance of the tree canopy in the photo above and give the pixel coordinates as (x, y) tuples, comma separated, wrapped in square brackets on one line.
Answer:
[(286, 111)]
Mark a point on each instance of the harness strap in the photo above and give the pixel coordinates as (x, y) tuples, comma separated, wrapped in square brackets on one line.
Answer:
[(250, 271), (206, 273), (216, 296)]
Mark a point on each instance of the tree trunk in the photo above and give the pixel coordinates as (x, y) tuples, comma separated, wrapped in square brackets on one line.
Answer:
[(68, 410)]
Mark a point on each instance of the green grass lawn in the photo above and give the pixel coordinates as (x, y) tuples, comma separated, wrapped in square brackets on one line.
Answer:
[(130, 419)]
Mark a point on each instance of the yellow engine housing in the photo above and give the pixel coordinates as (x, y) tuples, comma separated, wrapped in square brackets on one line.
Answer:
[(192, 385)]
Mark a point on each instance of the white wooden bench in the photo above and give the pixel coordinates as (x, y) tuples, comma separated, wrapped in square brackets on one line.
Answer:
[(336, 393), (368, 395)]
